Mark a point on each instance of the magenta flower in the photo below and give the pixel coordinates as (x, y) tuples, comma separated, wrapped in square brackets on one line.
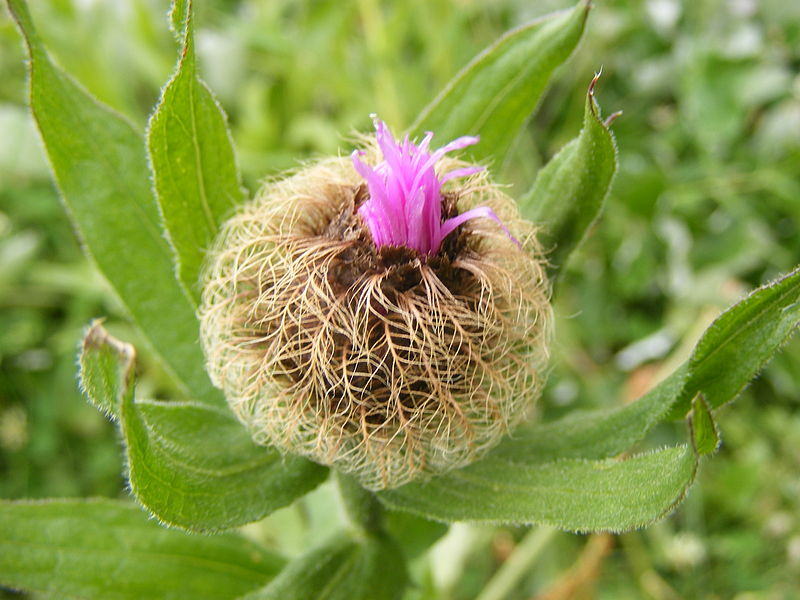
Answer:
[(405, 201)]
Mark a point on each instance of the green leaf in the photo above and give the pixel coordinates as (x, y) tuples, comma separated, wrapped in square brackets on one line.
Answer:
[(110, 550), (195, 466), (371, 568), (191, 155), (106, 369), (570, 494), (519, 480), (593, 434), (192, 465), (541, 473), (569, 192), (740, 342), (705, 436), (498, 90), (732, 350), (99, 163), (178, 15)]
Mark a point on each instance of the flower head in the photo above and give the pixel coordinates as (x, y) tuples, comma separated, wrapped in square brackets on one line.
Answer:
[(377, 326), (405, 199)]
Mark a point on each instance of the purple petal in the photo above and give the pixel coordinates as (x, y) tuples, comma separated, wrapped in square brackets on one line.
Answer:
[(459, 143), (482, 211), (461, 173), (405, 203)]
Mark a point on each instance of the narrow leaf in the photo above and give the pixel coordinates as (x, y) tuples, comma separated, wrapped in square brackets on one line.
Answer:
[(192, 465), (740, 342), (593, 434), (497, 91), (191, 155), (732, 350), (705, 436), (760, 324), (106, 369), (110, 550), (177, 18), (569, 192), (574, 495), (343, 569), (195, 467), (99, 163)]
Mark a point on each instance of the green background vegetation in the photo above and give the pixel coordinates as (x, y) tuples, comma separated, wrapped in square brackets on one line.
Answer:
[(705, 207)]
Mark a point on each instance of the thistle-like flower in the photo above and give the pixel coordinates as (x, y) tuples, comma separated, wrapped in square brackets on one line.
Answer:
[(390, 320)]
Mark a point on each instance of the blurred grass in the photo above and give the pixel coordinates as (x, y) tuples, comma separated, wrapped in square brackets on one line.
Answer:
[(705, 206)]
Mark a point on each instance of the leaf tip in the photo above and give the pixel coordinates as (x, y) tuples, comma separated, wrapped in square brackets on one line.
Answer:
[(593, 105), (179, 17), (97, 338), (95, 380), (20, 14)]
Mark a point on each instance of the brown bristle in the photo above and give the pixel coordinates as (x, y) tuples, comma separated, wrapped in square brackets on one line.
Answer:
[(380, 362)]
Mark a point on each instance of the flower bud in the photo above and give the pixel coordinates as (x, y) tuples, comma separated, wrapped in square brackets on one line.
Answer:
[(387, 315)]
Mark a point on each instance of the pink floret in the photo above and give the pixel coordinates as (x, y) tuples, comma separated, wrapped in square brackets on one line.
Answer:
[(405, 201)]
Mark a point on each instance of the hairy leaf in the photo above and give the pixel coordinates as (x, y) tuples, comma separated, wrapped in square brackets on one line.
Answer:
[(195, 466), (371, 568), (191, 155), (99, 163), (106, 369), (740, 342), (570, 494), (494, 95), (177, 17), (593, 434), (569, 192), (519, 481), (192, 465), (733, 349), (110, 550)]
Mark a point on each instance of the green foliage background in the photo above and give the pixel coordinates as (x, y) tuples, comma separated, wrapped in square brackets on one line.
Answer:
[(705, 206)]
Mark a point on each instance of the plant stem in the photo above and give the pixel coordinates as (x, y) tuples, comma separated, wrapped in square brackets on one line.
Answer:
[(362, 509), (518, 564)]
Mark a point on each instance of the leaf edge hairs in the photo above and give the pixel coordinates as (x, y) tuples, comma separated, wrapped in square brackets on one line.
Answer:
[(390, 361)]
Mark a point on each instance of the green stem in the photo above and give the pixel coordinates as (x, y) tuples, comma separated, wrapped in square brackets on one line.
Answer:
[(518, 564), (362, 509)]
